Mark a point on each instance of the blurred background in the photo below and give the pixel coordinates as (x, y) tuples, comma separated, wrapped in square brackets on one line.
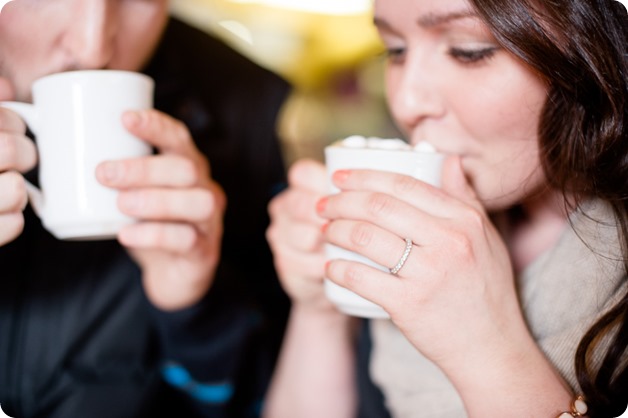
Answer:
[(327, 49)]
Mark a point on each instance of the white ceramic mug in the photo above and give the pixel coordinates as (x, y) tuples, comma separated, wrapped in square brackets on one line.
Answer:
[(425, 166), (76, 120)]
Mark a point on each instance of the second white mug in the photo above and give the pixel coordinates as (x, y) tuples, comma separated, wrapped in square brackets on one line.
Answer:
[(425, 166)]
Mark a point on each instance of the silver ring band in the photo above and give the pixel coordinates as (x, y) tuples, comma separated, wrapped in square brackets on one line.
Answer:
[(404, 257)]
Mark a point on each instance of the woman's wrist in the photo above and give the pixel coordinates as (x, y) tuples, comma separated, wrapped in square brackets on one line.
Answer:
[(579, 408), (319, 311), (516, 376)]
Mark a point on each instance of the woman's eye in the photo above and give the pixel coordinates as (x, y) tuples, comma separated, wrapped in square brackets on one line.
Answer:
[(472, 56), (395, 54)]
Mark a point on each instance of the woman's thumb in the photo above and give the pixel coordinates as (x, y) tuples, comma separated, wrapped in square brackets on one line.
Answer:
[(454, 181)]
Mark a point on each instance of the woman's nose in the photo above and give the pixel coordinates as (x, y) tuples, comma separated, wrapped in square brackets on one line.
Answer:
[(90, 37), (413, 92)]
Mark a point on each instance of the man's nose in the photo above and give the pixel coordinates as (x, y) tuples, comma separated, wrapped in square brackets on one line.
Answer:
[(90, 37)]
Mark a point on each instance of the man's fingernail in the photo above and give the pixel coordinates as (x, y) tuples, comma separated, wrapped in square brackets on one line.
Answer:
[(132, 118), (110, 171)]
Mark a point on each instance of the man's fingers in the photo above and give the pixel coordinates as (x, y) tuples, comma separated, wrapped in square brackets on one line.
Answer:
[(16, 152), (154, 171), (170, 237), (13, 197), (158, 129), (185, 205), (11, 225)]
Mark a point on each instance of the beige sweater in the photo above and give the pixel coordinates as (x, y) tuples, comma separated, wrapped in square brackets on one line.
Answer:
[(562, 293)]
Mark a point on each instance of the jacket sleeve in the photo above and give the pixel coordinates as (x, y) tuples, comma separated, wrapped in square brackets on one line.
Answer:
[(208, 349)]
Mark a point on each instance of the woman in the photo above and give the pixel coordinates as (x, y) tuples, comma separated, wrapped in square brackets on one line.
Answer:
[(513, 300)]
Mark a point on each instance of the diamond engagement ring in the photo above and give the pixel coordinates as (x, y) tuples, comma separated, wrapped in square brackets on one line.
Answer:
[(404, 257)]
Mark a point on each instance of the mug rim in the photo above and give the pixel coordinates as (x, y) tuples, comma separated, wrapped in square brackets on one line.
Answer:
[(78, 74), (367, 150)]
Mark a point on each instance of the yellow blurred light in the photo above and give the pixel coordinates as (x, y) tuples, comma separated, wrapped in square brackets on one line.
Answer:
[(333, 7), (237, 29), (305, 47)]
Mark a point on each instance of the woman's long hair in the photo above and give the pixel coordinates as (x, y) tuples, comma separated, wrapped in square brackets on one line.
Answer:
[(580, 48)]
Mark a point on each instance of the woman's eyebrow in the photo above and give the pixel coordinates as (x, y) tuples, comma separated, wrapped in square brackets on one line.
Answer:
[(381, 23), (431, 20)]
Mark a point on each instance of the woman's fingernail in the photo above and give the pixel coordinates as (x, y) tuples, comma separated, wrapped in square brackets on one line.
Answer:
[(324, 227), (321, 205), (340, 176)]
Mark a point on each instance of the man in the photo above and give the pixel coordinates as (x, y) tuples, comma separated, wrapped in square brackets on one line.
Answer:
[(182, 314)]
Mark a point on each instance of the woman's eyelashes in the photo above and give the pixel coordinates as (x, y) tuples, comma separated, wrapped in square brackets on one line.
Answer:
[(467, 55), (472, 55), (395, 54)]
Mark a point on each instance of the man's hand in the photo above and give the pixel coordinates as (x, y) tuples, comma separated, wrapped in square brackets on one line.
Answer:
[(180, 209), (17, 155)]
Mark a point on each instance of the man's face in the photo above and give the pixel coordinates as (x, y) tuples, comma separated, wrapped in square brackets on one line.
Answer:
[(40, 37)]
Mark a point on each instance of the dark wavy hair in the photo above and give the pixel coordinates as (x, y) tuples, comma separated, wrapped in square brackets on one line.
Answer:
[(579, 47)]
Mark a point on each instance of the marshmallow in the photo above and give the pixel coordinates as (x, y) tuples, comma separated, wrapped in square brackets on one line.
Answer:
[(358, 141)]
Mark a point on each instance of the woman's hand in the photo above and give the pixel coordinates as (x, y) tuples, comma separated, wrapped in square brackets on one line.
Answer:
[(317, 352), (454, 298), (455, 295), (295, 234), (180, 209)]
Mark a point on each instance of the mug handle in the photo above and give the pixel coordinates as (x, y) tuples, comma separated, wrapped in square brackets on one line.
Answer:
[(28, 113)]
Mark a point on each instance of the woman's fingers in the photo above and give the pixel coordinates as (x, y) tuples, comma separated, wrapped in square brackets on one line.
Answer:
[(296, 204), (375, 285), (440, 202), (375, 243), (295, 222), (294, 263), (308, 175), (302, 236), (383, 210)]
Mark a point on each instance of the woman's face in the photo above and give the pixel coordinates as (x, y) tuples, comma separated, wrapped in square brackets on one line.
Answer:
[(450, 83), (40, 37)]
